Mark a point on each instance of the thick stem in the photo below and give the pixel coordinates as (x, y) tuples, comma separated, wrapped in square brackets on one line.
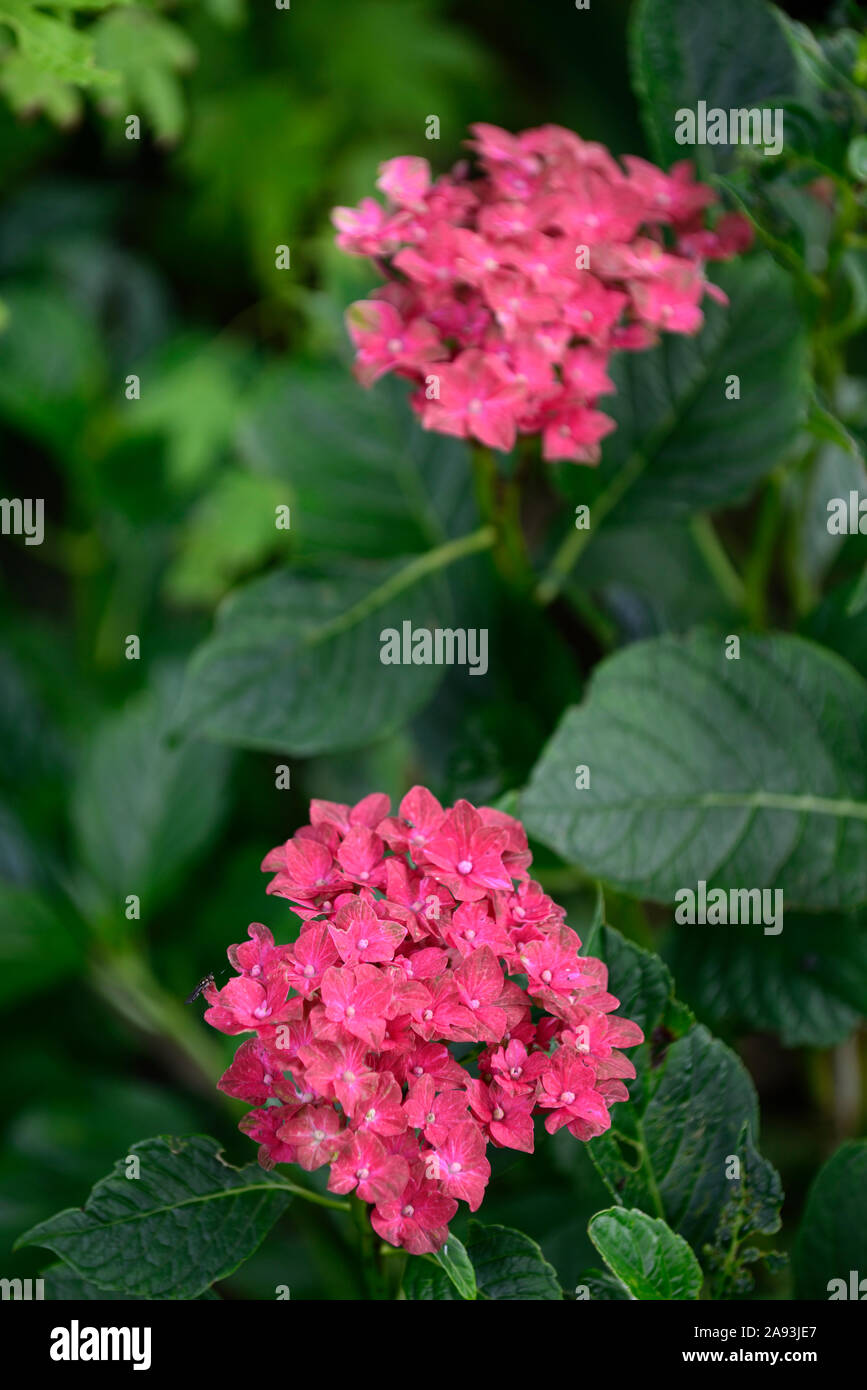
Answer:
[(499, 500), (371, 1268)]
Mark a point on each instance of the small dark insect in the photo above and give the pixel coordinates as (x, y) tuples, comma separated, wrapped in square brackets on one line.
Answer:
[(203, 984)]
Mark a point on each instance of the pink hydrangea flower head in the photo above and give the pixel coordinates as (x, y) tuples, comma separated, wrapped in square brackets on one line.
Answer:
[(433, 1002), (499, 274)]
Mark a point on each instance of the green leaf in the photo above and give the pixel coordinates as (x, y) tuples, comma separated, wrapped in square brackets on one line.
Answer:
[(509, 1265), (457, 1264), (51, 365), (651, 577), (61, 1284), (143, 807), (752, 1209), (858, 601), (643, 983), (188, 1220), (645, 1255), (741, 773), (831, 1239), (836, 472), (390, 488), (28, 89), (601, 1286), (824, 424), (497, 1262), (425, 1282), (191, 394), (231, 531), (832, 624), (808, 984), (680, 446), (40, 943), (294, 663), (56, 48), (730, 54), (145, 53), (669, 1145)]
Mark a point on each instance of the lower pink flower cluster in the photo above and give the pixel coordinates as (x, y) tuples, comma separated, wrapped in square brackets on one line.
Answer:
[(412, 927), (508, 288)]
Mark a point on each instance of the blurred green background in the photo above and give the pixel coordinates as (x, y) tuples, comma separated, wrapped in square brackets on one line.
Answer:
[(156, 258)]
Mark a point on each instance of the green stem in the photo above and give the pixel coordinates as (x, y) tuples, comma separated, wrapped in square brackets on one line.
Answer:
[(570, 549), (315, 1197), (419, 568), (602, 628), (499, 500), (717, 560), (758, 568), (371, 1269)]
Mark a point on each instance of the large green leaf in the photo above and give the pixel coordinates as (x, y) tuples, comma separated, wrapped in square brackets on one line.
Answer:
[(645, 1255), (294, 663), (669, 1145), (832, 1240), (497, 1262), (809, 984), (742, 773), (730, 54), (680, 445), (60, 1284), (510, 1265), (389, 488), (189, 1219), (143, 806), (427, 1282), (600, 1284)]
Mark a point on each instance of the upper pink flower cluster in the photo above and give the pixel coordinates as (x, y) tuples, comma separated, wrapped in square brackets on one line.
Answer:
[(507, 293), (412, 925)]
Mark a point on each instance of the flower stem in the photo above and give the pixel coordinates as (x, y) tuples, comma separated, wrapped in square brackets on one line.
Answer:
[(758, 570), (499, 500), (315, 1197), (571, 548), (370, 1265), (716, 558)]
